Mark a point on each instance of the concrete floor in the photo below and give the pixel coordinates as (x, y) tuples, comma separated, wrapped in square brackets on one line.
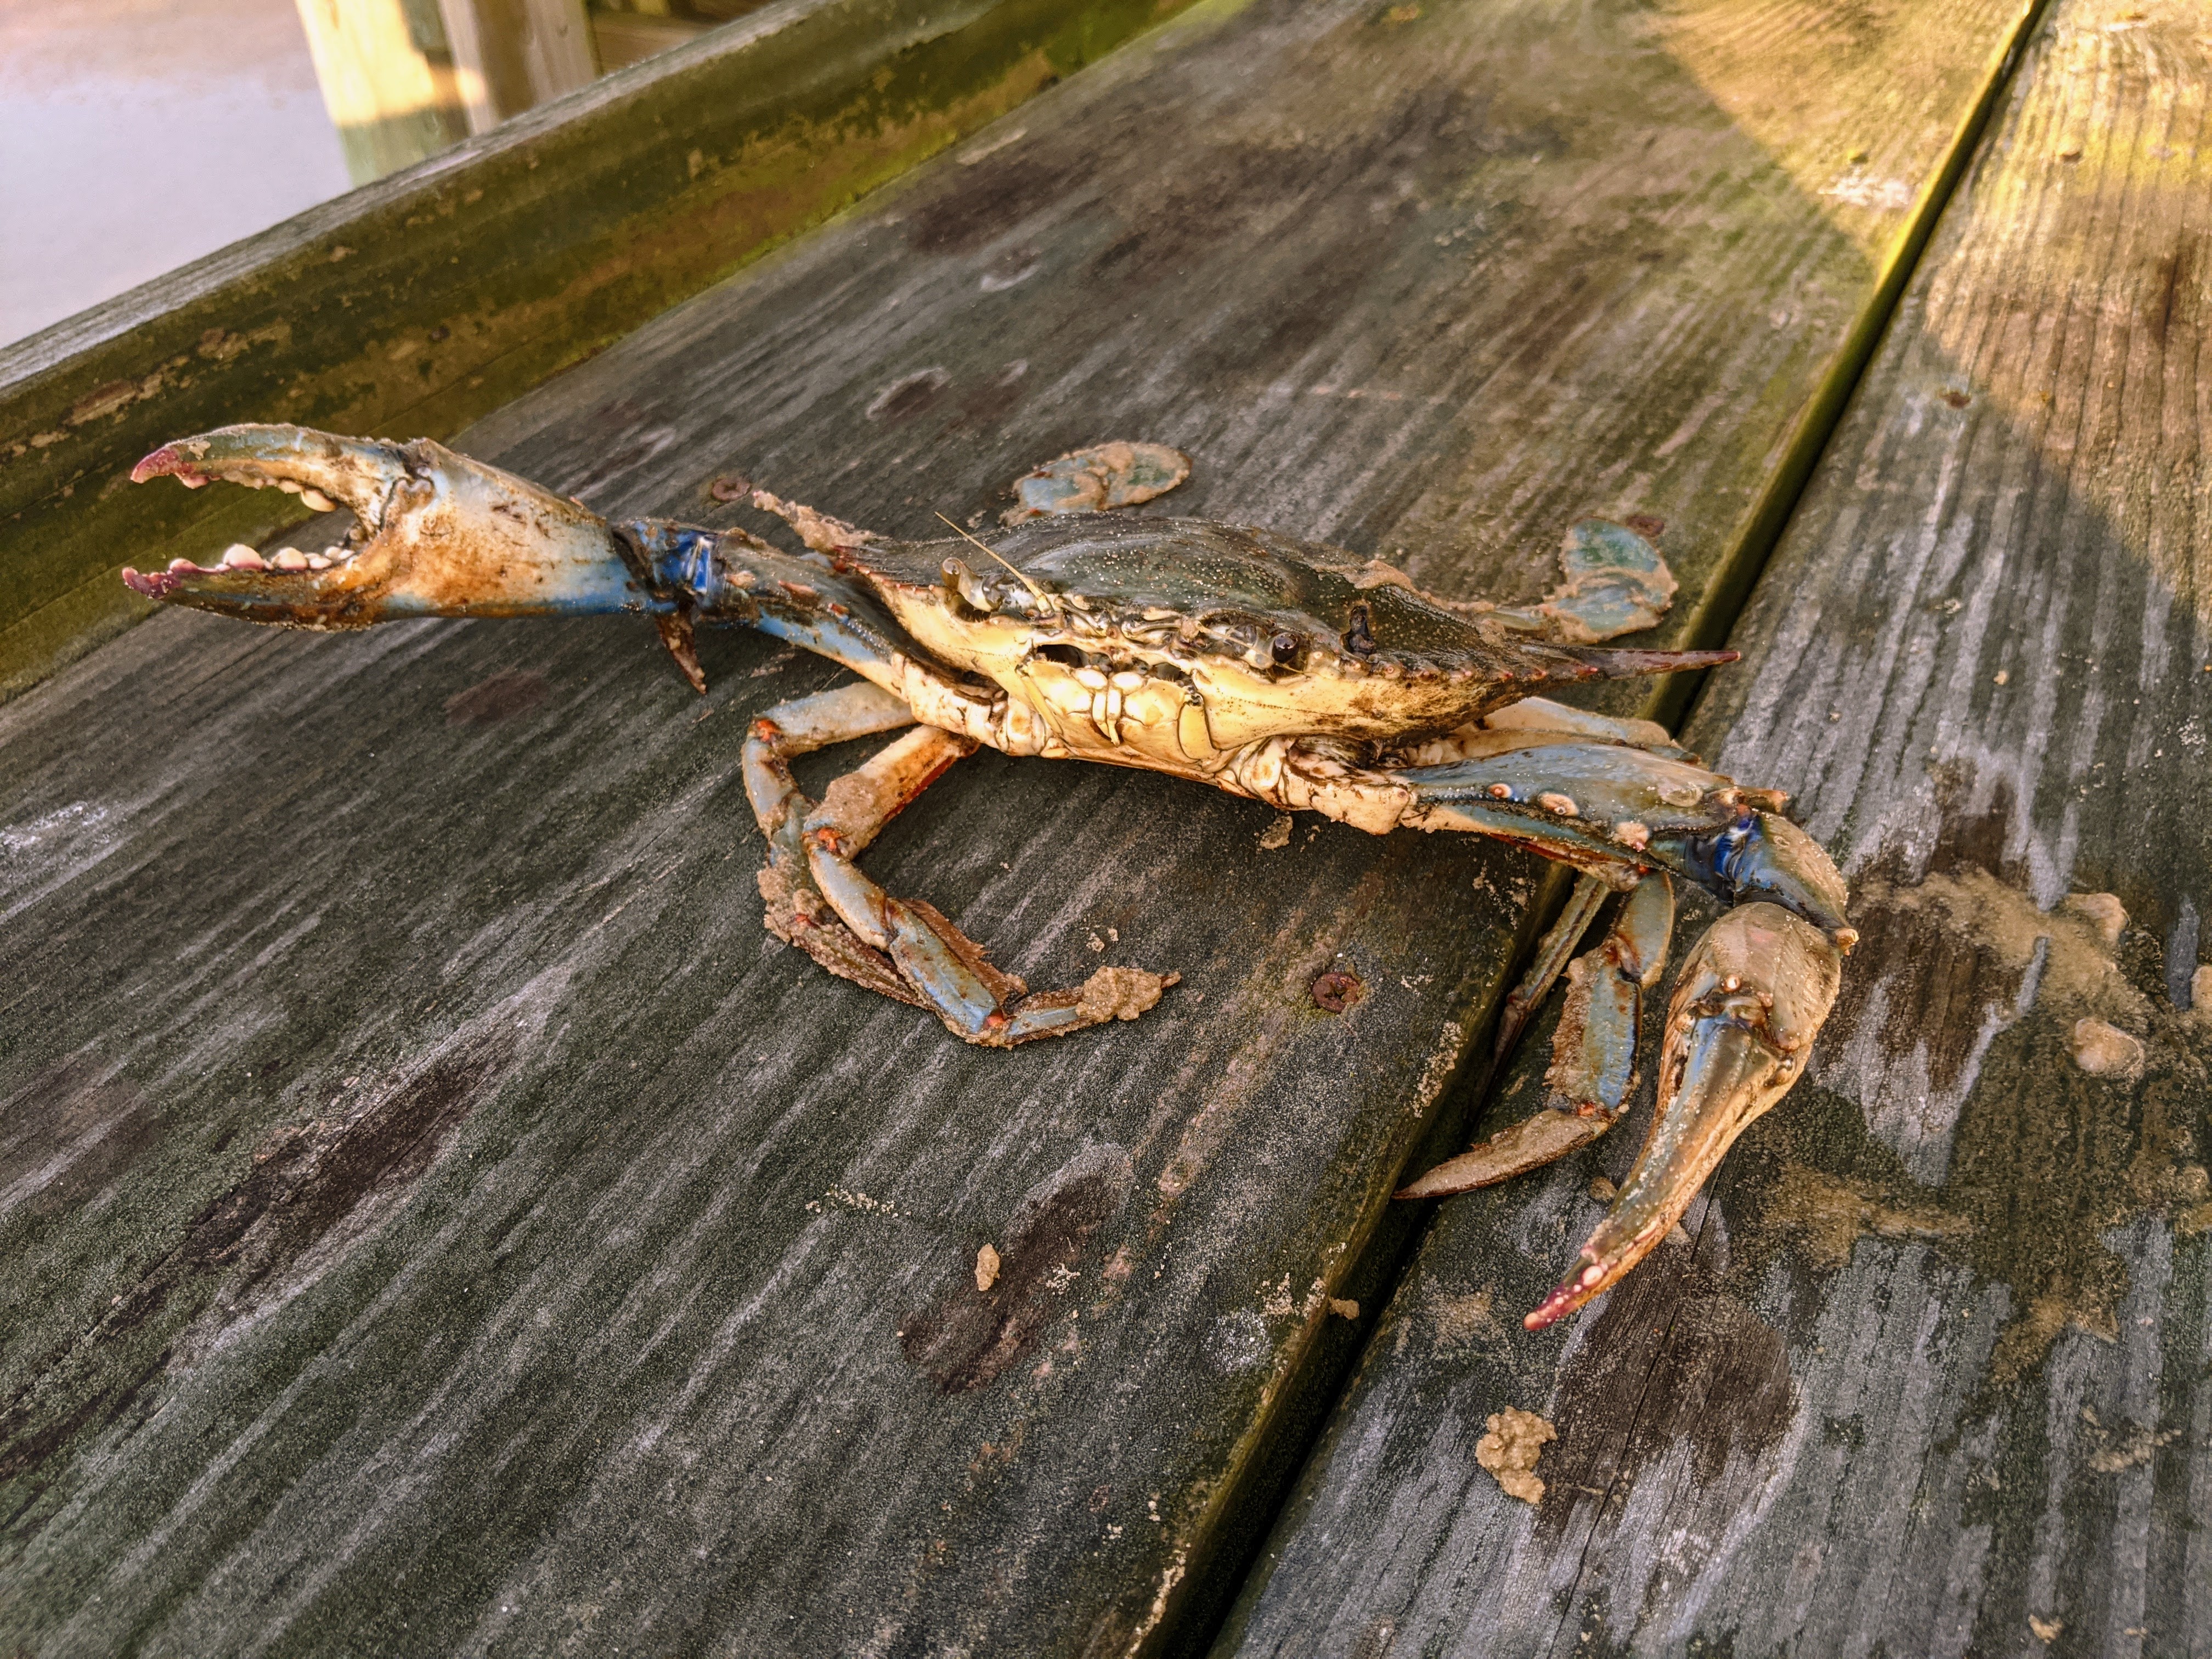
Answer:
[(137, 135)]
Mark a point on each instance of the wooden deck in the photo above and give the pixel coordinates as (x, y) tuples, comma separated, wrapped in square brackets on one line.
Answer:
[(438, 1219)]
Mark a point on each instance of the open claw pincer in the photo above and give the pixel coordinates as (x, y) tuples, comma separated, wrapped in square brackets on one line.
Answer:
[(1744, 1013), (435, 534)]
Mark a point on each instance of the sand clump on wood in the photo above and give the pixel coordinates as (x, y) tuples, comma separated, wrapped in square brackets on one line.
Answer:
[(2082, 930), (1508, 1451), (2076, 938), (2103, 1049), (2061, 972)]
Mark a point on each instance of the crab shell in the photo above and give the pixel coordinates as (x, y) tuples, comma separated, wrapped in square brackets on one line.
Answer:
[(1171, 643)]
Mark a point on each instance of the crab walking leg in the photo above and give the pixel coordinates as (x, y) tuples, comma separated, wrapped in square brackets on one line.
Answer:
[(1583, 905), (1749, 1002), (978, 1002), (1540, 717), (1593, 1052), (818, 900), (799, 728), (797, 912)]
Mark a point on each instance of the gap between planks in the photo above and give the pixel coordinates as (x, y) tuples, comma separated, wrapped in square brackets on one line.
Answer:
[(1744, 563)]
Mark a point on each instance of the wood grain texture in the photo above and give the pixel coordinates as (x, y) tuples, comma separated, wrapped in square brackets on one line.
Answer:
[(423, 301), (438, 1218), (1933, 1378)]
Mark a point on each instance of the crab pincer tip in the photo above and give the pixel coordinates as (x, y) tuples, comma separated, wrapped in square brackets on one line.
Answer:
[(164, 463), (153, 585), (1588, 1280)]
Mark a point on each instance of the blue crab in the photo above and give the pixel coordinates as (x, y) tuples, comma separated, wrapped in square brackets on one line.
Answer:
[(1294, 673)]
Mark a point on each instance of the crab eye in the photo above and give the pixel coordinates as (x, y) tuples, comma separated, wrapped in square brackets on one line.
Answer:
[(1359, 637), (1286, 649), (961, 582)]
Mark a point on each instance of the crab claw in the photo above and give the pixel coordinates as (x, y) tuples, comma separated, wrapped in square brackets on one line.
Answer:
[(1745, 1011), (436, 534)]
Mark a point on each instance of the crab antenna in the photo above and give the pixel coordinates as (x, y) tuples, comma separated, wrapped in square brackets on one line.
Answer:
[(1036, 593)]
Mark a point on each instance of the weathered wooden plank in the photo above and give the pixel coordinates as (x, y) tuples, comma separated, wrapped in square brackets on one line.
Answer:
[(425, 301), (1934, 1379), (627, 1296)]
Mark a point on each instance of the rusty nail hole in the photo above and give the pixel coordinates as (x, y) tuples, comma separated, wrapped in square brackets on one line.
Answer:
[(1644, 524), (731, 487), (1952, 396), (1337, 991), (440, 332)]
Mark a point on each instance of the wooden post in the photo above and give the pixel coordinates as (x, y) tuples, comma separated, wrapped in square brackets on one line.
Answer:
[(388, 78), (511, 54), (406, 79)]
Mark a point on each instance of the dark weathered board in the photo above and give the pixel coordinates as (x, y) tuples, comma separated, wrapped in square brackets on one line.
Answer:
[(438, 1219), (430, 298), (1934, 1380)]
